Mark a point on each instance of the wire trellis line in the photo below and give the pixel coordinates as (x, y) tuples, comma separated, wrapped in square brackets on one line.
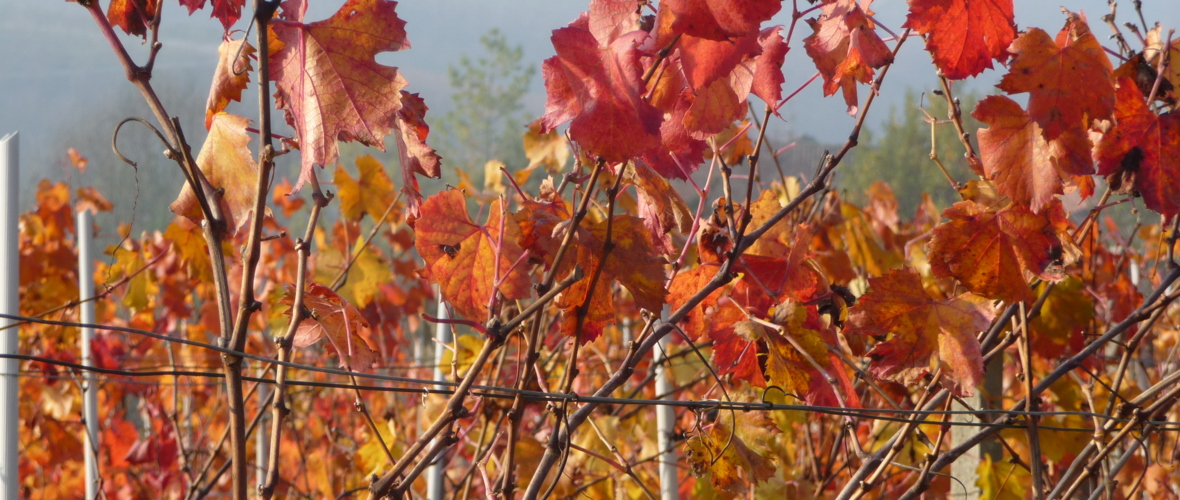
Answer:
[(423, 386)]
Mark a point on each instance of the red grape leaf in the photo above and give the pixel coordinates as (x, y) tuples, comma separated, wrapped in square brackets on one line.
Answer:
[(416, 156), (230, 78), (964, 36), (228, 165), (662, 209), (845, 48), (333, 318), (713, 108), (768, 66), (762, 282), (989, 251), (1025, 167), (329, 84), (678, 154), (610, 19), (798, 372), (1146, 146), (226, 11), (463, 258), (599, 88), (704, 61), (720, 19), (1068, 80), (633, 263), (132, 16), (370, 193), (925, 333)]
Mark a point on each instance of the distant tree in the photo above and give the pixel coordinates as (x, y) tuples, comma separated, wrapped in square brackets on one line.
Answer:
[(488, 118), (900, 154)]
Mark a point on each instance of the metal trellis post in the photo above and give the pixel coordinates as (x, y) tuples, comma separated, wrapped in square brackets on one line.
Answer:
[(90, 387), (434, 475), (665, 426), (9, 304)]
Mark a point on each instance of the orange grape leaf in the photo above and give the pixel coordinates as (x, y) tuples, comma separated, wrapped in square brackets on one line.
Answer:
[(1025, 167), (925, 333), (845, 48), (1068, 80), (226, 161), (230, 77), (1144, 146), (600, 88), (370, 193), (53, 207), (77, 160), (290, 203), (964, 36), (133, 16), (90, 199), (989, 251), (329, 84), (416, 156), (734, 465), (466, 259), (333, 318)]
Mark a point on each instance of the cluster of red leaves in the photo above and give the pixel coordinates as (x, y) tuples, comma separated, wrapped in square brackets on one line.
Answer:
[(655, 88), (648, 97)]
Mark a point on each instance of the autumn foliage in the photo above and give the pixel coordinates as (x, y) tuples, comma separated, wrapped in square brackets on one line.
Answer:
[(815, 345)]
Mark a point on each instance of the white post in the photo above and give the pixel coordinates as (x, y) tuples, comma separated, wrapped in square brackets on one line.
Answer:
[(9, 304), (665, 425), (90, 387), (964, 470), (262, 437), (434, 475)]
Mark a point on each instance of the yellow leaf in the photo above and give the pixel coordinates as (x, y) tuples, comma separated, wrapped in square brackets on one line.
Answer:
[(493, 179), (370, 193), (370, 457), (369, 270), (1002, 480), (548, 149), (469, 346)]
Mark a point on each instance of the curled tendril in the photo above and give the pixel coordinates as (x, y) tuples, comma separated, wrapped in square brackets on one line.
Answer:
[(170, 151), (241, 46)]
